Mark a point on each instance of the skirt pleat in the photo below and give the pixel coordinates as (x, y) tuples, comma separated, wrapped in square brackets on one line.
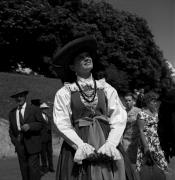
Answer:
[(68, 170)]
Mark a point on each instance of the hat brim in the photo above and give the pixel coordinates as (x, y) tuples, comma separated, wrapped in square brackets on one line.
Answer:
[(17, 94), (46, 107), (65, 55), (36, 102)]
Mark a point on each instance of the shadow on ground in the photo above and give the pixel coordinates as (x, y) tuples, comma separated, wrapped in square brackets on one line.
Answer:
[(9, 170)]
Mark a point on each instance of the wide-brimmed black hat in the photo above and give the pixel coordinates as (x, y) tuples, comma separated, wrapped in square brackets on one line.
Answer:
[(44, 106), (67, 53), (169, 97), (19, 92), (36, 102)]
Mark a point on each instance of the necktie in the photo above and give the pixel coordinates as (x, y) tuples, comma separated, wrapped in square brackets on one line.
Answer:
[(21, 119)]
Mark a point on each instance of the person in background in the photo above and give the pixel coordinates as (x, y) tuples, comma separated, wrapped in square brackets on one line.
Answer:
[(136, 94), (36, 102), (46, 152), (140, 101), (90, 117), (149, 148), (131, 133), (25, 125)]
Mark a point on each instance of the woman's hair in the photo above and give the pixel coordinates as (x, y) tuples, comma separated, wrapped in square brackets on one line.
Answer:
[(149, 96), (130, 94)]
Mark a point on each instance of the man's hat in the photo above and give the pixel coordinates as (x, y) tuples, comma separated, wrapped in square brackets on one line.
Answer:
[(66, 54), (20, 92), (44, 106), (36, 102)]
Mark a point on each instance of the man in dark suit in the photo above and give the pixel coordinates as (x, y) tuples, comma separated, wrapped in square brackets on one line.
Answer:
[(26, 123), (46, 153), (36, 102), (140, 98)]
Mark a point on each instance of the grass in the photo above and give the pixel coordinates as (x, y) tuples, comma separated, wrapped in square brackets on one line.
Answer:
[(38, 86)]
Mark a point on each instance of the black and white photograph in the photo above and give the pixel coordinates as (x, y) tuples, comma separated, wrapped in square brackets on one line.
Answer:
[(87, 90)]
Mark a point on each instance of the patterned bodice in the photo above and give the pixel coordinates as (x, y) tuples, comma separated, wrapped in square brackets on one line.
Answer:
[(81, 109), (150, 123)]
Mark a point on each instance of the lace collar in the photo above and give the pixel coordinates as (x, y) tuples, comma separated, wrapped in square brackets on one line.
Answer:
[(81, 80), (73, 87)]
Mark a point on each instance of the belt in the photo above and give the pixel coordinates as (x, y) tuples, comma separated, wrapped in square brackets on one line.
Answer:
[(87, 121)]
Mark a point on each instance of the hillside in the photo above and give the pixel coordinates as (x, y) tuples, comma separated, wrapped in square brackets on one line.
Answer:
[(38, 86)]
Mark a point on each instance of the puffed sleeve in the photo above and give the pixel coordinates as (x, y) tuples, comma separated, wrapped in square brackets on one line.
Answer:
[(62, 117), (116, 113)]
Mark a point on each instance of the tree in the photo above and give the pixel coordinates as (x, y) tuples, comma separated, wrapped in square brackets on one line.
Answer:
[(31, 31)]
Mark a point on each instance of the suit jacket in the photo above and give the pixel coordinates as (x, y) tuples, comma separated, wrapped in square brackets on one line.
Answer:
[(47, 130), (32, 138)]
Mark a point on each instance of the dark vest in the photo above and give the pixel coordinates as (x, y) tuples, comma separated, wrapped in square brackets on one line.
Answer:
[(79, 110)]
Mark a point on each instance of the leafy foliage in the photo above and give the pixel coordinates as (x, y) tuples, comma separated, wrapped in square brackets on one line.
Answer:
[(32, 30)]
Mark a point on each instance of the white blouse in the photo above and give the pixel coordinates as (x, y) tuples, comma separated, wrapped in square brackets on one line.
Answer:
[(62, 112)]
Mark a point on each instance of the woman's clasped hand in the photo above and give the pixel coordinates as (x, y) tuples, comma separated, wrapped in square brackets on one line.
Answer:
[(106, 152)]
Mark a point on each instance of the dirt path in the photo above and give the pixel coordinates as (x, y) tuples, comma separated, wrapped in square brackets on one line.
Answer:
[(9, 170)]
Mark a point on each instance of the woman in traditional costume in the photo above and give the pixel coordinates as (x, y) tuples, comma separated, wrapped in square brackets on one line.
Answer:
[(90, 117)]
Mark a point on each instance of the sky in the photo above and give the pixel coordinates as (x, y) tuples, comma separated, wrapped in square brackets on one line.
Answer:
[(160, 15)]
